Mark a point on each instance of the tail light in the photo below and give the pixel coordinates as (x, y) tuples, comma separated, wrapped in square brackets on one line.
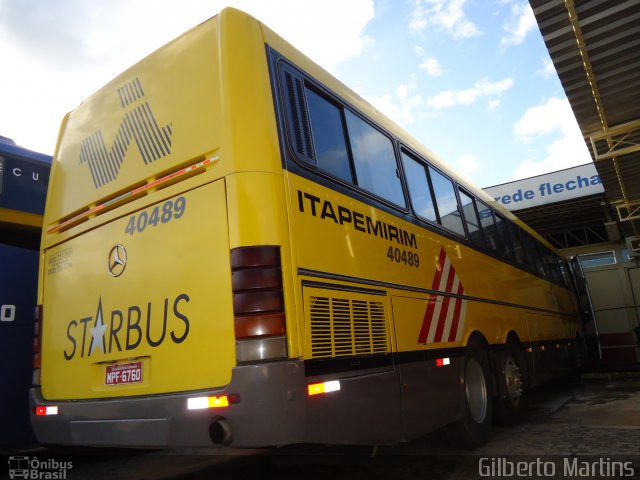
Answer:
[(258, 304), (37, 345)]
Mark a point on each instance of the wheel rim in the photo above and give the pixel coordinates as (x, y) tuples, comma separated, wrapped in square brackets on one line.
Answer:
[(476, 389), (513, 380)]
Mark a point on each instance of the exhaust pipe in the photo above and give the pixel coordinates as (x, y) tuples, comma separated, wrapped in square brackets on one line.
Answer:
[(220, 431)]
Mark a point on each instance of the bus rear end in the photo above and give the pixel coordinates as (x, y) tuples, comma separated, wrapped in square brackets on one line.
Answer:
[(161, 318)]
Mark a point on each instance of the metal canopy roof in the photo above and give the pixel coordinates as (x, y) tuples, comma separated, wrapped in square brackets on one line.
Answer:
[(595, 48)]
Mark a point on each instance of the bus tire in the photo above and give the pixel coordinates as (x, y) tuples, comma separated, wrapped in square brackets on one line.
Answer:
[(474, 428), (509, 405)]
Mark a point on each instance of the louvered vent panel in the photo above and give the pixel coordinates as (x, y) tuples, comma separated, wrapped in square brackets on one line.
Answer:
[(298, 116), (344, 327)]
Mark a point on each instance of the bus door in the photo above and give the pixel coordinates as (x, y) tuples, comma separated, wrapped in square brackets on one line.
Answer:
[(589, 323)]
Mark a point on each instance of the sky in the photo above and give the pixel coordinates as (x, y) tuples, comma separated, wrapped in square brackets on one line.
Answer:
[(470, 79)]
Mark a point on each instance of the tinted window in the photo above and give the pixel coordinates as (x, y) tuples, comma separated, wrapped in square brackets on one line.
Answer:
[(534, 259), (374, 159), (551, 265), (505, 243), (471, 217), (563, 272), (490, 229), (419, 190), (518, 247), (446, 202), (328, 136)]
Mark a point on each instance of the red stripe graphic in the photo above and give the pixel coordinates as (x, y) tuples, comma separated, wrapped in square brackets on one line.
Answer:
[(445, 314), (431, 302), (456, 315), (445, 305)]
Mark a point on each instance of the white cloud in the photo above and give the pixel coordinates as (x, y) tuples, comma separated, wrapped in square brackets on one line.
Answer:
[(520, 23), (431, 66), (306, 25), (548, 69), (553, 117), (467, 164), (493, 104), (445, 15), (482, 88), (402, 105), (554, 114)]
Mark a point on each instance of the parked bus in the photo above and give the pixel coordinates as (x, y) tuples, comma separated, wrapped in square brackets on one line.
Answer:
[(239, 250), (24, 175)]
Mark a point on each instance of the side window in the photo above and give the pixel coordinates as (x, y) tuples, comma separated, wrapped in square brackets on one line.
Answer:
[(564, 274), (551, 265), (419, 190), (504, 240), (328, 136), (489, 228), (518, 247), (534, 259), (446, 201), (471, 218), (374, 160)]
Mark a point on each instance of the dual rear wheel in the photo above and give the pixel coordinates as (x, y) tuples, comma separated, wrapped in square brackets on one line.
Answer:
[(480, 384)]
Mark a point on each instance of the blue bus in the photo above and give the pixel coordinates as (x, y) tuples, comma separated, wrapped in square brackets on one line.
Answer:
[(24, 176)]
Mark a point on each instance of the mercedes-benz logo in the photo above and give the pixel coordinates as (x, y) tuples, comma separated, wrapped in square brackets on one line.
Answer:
[(117, 260)]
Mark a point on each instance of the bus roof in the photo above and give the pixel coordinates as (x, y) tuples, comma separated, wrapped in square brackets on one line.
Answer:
[(9, 147)]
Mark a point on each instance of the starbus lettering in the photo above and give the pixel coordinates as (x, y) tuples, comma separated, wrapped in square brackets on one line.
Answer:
[(340, 215), (126, 328)]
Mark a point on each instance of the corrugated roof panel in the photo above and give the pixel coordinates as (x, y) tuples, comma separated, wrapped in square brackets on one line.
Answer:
[(611, 34)]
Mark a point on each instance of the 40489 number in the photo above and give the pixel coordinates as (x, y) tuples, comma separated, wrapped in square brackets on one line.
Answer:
[(164, 213), (403, 256)]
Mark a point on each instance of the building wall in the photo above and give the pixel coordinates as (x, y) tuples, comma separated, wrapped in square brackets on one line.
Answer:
[(614, 285)]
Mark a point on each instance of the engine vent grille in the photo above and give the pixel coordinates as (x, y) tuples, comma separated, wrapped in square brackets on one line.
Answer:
[(344, 327)]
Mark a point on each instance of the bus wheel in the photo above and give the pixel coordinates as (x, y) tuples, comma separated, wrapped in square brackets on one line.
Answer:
[(509, 405), (473, 430)]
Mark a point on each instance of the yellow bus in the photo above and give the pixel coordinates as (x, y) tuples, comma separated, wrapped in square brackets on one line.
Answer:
[(238, 250)]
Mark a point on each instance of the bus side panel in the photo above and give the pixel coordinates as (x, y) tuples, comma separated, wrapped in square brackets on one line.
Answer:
[(17, 301), (432, 395)]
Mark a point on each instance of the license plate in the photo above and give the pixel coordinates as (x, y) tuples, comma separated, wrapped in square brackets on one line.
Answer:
[(124, 373)]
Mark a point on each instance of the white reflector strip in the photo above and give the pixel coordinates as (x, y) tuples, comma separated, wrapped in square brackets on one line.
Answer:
[(197, 403), (332, 386), (325, 387)]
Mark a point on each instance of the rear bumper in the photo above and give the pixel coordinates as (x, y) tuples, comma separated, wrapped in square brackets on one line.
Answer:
[(271, 412)]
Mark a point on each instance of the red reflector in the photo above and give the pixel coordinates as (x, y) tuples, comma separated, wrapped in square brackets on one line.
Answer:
[(441, 362), (42, 410)]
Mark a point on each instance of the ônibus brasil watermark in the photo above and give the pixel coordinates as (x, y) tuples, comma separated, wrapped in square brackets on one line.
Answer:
[(33, 468)]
